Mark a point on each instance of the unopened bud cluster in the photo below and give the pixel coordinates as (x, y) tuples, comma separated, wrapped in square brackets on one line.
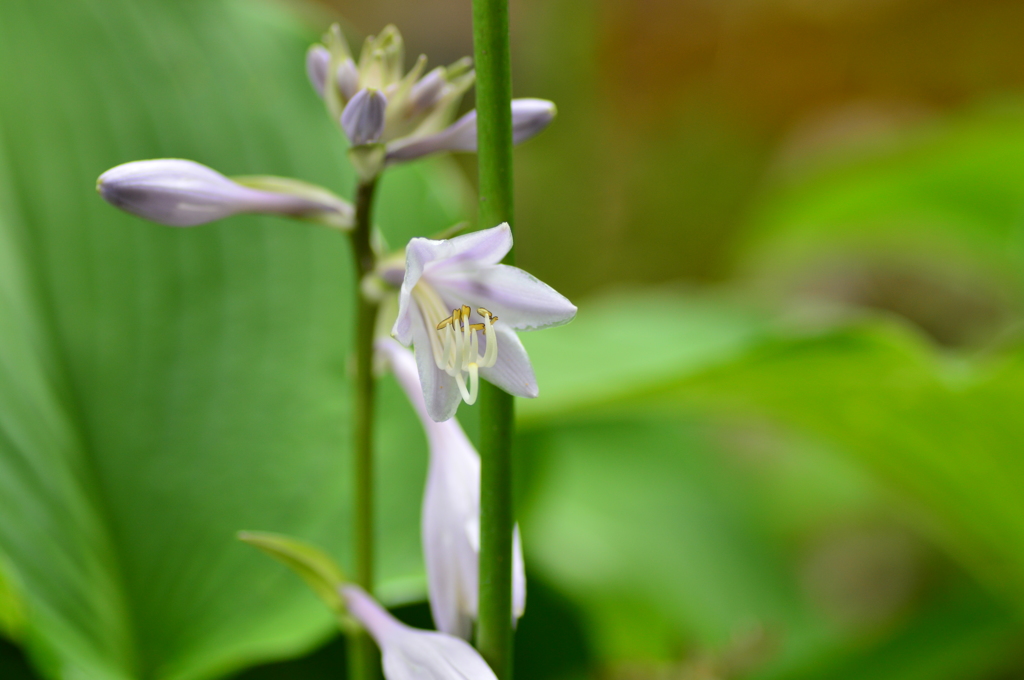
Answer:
[(408, 113)]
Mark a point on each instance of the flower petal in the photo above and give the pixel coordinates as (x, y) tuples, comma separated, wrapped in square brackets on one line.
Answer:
[(440, 393), (426, 655), (479, 248), (518, 298), (518, 577), (384, 627), (451, 500), (418, 254), (512, 372)]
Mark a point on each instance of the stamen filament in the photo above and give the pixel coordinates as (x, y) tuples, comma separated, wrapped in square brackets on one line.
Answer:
[(456, 342)]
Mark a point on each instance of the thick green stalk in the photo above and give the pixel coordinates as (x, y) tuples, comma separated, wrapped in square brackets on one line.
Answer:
[(494, 155), (363, 656)]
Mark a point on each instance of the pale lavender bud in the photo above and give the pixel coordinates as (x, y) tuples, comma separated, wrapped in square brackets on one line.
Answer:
[(529, 118), (363, 118), (318, 60), (426, 92), (412, 654), (347, 79), (183, 193)]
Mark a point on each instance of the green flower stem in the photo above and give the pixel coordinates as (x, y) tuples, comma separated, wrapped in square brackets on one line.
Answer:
[(363, 656), (494, 156)]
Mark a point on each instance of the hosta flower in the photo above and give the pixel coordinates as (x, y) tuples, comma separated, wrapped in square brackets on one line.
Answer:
[(412, 654), (183, 193), (407, 108), (451, 512), (459, 308)]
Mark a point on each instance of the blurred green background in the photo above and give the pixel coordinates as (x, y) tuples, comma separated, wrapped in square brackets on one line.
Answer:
[(784, 438)]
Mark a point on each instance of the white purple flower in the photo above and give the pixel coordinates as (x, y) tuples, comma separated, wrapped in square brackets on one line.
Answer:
[(451, 512), (412, 654), (459, 307), (183, 193)]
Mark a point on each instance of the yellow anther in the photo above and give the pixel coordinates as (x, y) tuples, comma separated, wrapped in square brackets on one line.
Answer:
[(460, 317)]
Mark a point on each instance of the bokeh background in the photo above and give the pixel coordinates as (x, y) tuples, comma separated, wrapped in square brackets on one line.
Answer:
[(784, 439)]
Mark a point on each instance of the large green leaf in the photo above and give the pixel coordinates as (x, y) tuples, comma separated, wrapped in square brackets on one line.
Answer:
[(649, 526), (626, 342), (962, 634), (946, 436), (161, 389)]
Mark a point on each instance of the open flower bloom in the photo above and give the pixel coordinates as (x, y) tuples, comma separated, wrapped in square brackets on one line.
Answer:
[(412, 654), (183, 193), (460, 309), (451, 512), (399, 109)]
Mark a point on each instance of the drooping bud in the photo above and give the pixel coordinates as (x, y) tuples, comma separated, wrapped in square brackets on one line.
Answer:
[(363, 118), (529, 118), (183, 193), (412, 654), (318, 61), (348, 79), (451, 510)]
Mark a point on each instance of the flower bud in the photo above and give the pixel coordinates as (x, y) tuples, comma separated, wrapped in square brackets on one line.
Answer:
[(363, 118), (382, 59), (529, 118), (347, 79), (427, 91), (318, 60), (183, 193), (451, 510)]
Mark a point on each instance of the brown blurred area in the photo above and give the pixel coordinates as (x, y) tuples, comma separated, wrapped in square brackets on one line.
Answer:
[(674, 114)]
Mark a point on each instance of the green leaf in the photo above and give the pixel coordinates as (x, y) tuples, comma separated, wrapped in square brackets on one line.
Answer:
[(161, 388), (945, 436), (642, 521), (625, 343), (963, 634)]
